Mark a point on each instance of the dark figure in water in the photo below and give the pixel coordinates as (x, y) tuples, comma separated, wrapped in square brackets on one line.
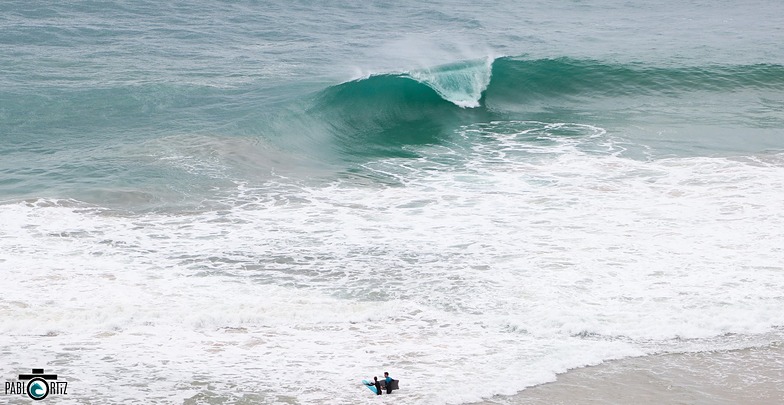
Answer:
[(378, 385), (388, 382)]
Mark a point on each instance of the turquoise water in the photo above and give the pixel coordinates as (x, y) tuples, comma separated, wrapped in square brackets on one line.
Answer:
[(87, 84), (523, 188)]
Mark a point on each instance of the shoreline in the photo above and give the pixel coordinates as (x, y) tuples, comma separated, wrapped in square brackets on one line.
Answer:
[(752, 376)]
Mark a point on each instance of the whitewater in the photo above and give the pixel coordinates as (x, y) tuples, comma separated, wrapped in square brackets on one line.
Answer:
[(267, 203)]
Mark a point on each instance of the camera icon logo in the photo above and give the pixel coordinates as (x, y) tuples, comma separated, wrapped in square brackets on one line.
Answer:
[(37, 383)]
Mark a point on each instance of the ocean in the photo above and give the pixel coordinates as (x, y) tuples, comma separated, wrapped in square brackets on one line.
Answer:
[(269, 201)]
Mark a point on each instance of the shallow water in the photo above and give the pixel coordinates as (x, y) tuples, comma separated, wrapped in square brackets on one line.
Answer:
[(741, 377)]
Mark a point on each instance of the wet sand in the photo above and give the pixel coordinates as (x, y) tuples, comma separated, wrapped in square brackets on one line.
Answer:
[(738, 377)]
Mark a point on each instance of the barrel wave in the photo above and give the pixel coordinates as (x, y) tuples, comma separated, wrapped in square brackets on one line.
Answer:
[(383, 112), (256, 127), (472, 84)]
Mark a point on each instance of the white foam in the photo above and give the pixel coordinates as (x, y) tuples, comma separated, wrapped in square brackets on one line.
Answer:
[(461, 84), (521, 256)]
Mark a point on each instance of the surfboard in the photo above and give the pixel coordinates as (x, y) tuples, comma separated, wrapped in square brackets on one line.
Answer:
[(371, 386), (394, 384)]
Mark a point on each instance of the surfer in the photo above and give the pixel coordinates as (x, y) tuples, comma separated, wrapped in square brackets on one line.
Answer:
[(378, 385), (388, 382)]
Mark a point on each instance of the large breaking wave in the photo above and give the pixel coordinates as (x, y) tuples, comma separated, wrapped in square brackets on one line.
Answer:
[(471, 83), (422, 106)]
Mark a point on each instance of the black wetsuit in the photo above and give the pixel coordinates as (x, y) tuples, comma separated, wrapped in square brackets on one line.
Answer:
[(378, 387)]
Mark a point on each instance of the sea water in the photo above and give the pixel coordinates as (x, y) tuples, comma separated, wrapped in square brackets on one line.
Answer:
[(267, 202)]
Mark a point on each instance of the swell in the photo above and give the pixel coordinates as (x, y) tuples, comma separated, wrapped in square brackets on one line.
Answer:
[(471, 83), (421, 106), (564, 77)]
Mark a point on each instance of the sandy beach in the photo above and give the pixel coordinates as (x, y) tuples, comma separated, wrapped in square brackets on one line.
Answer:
[(739, 377)]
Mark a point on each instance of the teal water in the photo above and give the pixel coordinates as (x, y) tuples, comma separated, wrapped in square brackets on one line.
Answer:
[(463, 190), (81, 79)]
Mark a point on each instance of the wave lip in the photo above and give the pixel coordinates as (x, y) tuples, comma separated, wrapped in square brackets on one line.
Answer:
[(461, 83)]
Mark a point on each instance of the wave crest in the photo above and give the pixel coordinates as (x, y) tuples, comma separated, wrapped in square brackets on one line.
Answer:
[(459, 83), (380, 113)]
